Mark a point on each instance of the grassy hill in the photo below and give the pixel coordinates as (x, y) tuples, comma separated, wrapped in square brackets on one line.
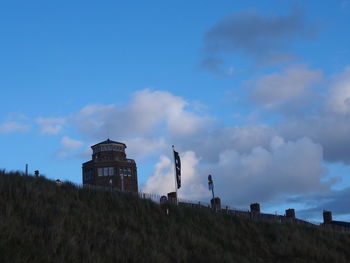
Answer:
[(43, 222)]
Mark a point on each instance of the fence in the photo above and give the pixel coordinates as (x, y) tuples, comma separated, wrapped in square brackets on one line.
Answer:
[(199, 204), (224, 209)]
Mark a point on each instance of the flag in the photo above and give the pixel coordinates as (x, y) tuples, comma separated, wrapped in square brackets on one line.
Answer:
[(210, 182), (177, 169)]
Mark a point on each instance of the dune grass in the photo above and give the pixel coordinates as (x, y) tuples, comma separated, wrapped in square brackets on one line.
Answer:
[(41, 221)]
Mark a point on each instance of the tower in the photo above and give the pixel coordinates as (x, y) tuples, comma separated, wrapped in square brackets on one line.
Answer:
[(109, 167)]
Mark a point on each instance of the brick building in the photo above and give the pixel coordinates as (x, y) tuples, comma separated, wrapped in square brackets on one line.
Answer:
[(110, 167)]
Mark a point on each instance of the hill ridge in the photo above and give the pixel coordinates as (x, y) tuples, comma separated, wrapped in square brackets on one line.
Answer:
[(41, 221)]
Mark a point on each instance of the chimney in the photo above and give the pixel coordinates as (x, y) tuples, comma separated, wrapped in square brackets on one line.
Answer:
[(216, 203), (255, 208), (172, 198), (327, 216), (290, 213)]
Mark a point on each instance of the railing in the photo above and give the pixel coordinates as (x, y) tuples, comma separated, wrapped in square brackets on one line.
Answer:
[(153, 197), (192, 203)]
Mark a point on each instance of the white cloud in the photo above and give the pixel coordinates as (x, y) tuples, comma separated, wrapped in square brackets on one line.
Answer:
[(264, 174), (163, 181), (140, 147), (332, 132), (329, 125), (275, 89), (298, 97), (70, 144), (13, 126), (147, 113), (51, 126), (339, 100), (69, 147), (148, 109), (272, 173), (241, 138)]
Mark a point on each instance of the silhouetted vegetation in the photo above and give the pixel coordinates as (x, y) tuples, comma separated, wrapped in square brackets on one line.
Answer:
[(41, 221)]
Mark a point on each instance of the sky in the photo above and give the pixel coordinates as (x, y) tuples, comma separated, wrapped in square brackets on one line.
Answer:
[(256, 93)]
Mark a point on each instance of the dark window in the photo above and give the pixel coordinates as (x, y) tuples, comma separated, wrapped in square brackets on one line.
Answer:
[(105, 171)]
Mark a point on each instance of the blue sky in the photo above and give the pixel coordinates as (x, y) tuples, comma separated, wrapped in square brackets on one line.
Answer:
[(254, 92)]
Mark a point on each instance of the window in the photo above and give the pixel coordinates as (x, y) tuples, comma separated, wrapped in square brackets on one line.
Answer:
[(96, 149), (105, 171), (125, 171)]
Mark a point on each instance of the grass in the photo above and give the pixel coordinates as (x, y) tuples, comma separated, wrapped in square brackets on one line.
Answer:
[(43, 222)]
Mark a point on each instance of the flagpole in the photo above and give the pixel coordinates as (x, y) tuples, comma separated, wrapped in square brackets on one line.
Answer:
[(211, 187), (175, 171)]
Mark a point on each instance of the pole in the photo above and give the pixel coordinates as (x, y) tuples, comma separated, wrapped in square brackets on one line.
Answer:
[(214, 204), (26, 169), (173, 153), (211, 186)]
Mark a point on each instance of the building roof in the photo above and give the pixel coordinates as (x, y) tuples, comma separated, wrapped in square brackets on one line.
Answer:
[(108, 141)]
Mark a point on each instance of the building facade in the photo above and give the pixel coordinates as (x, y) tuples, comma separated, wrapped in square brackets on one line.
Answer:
[(109, 167)]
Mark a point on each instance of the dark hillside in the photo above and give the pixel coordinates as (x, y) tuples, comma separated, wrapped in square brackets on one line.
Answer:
[(43, 222)]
